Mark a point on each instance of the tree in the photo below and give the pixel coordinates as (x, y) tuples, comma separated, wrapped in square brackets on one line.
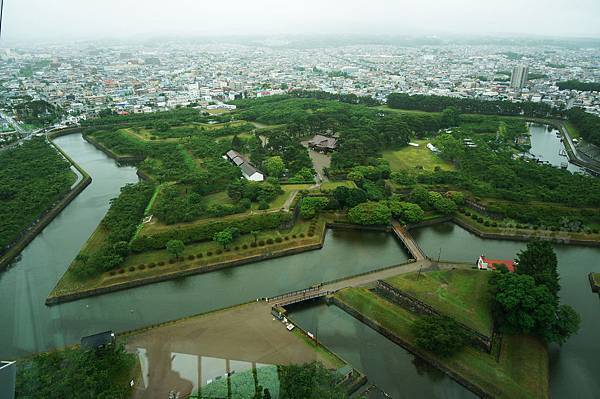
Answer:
[(420, 195), (370, 213), (274, 166), (225, 237), (310, 206), (522, 307), (539, 261), (450, 117), (406, 211), (441, 335), (310, 380), (566, 324), (175, 248), (444, 205)]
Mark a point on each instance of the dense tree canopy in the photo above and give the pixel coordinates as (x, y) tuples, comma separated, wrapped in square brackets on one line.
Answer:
[(578, 85), (76, 373), (469, 105), (441, 335), (539, 261), (522, 307), (32, 178), (370, 213), (587, 124), (309, 381)]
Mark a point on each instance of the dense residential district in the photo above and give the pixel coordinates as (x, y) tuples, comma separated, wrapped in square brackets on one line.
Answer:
[(297, 219)]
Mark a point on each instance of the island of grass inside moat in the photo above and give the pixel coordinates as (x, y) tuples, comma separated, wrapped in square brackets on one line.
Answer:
[(517, 369)]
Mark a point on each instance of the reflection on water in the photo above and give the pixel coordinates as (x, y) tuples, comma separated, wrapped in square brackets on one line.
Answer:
[(546, 145), (387, 365), (186, 374)]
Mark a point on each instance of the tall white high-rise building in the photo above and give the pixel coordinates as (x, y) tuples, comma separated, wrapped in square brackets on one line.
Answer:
[(518, 78)]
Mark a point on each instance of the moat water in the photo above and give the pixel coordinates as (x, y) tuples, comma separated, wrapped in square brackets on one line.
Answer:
[(28, 326)]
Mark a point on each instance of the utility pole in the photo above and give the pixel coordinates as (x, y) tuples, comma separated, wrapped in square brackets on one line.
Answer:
[(1, 15)]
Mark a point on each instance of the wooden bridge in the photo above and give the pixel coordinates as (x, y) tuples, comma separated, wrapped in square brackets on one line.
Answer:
[(411, 245)]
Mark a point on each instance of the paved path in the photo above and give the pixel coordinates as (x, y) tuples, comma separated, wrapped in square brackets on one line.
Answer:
[(581, 161), (366, 279), (288, 202)]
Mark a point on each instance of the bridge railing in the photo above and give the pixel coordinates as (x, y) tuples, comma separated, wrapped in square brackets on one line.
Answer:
[(294, 293)]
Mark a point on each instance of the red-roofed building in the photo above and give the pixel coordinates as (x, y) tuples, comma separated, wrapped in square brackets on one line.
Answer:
[(484, 263)]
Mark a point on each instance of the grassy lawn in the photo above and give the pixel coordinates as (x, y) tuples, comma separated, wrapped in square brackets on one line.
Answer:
[(460, 294), (596, 277), (573, 131), (500, 229), (504, 379), (408, 158), (332, 185)]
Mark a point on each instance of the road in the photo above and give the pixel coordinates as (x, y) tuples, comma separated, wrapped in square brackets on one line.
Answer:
[(19, 129), (580, 161)]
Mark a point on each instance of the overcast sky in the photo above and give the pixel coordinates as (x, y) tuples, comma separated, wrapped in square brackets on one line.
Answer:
[(83, 19)]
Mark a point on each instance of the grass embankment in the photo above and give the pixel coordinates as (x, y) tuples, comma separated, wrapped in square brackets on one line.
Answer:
[(522, 369), (596, 278), (460, 294), (410, 158), (327, 357), (515, 231), (198, 257)]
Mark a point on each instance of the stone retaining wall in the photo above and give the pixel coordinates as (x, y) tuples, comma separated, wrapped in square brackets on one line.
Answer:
[(595, 287), (407, 301), (53, 300), (523, 237)]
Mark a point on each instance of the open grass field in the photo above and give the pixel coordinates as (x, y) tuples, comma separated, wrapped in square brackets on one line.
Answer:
[(409, 158), (503, 379), (460, 294)]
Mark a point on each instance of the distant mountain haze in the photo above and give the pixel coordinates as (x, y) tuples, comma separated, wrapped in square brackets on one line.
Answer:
[(37, 20)]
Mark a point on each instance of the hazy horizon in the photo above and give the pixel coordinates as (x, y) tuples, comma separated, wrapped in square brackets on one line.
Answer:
[(59, 20)]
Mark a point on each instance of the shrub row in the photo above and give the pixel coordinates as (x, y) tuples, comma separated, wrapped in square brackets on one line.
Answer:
[(205, 232)]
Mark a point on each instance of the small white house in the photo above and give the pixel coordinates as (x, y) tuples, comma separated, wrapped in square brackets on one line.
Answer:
[(251, 173)]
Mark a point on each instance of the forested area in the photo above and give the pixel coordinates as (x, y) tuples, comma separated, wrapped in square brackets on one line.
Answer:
[(175, 117), (76, 373), (32, 178), (37, 112), (578, 85), (363, 131), (118, 227), (496, 174), (587, 124), (470, 105)]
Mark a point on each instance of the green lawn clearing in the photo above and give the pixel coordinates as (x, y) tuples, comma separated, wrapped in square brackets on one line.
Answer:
[(409, 158), (460, 294)]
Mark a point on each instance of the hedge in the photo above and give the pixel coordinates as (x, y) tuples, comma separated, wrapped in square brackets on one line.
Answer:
[(205, 232)]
